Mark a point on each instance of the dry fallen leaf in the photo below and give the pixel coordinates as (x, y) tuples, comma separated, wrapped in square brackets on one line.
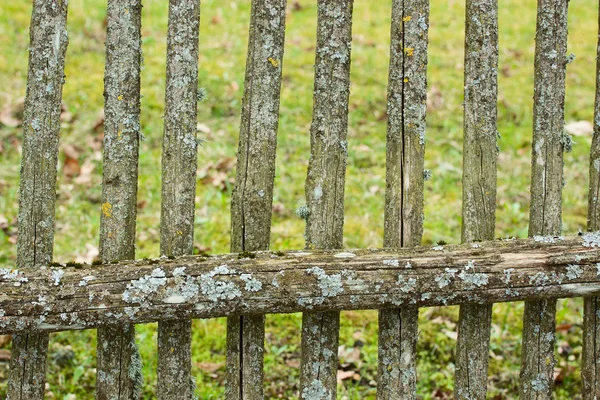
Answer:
[(579, 128), (209, 366), (90, 255), (4, 340), (85, 173), (343, 375), (218, 175)]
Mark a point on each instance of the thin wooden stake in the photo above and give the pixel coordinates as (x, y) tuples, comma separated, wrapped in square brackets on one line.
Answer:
[(325, 186), (37, 196), (179, 164), (407, 106), (590, 368), (119, 366), (252, 198), (537, 368), (479, 185)]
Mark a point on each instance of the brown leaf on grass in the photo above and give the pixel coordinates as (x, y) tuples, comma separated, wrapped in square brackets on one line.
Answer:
[(292, 362), (219, 174), (344, 375), (296, 6), (4, 355), (90, 255), (435, 99), (564, 327), (4, 340), (579, 128), (85, 173), (11, 115), (9, 228), (209, 366)]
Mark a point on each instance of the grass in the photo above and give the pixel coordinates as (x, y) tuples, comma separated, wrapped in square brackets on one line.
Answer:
[(223, 40)]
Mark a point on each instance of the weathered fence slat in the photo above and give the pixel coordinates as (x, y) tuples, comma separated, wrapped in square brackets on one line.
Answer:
[(252, 198), (325, 186), (200, 287), (403, 226), (479, 185), (537, 364), (179, 164), (37, 196), (119, 366), (590, 368)]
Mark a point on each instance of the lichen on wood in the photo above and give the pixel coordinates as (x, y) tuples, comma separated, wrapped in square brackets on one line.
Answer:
[(324, 188), (590, 366), (537, 368), (405, 174), (37, 195), (252, 197), (179, 163), (118, 375), (480, 153), (206, 287)]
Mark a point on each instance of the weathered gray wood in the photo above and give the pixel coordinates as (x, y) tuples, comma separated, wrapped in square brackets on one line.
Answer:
[(118, 374), (325, 186), (252, 198), (405, 150), (41, 125), (590, 368), (196, 287), (537, 368), (179, 164), (479, 185)]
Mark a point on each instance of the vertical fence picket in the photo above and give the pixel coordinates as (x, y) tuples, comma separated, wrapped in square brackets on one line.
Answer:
[(479, 185), (325, 186), (590, 368), (41, 125), (252, 199), (119, 364), (179, 164), (403, 226), (537, 368)]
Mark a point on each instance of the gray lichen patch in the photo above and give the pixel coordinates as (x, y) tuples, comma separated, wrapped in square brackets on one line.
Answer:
[(137, 290), (591, 239), (330, 285), (216, 290), (252, 284)]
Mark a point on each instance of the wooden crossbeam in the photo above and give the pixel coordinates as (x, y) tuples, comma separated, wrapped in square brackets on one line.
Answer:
[(62, 298)]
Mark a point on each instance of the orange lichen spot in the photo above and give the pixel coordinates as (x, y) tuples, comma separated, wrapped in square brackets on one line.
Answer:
[(405, 80), (107, 210), (120, 97), (274, 62), (409, 51), (126, 11), (407, 18), (120, 134), (179, 232)]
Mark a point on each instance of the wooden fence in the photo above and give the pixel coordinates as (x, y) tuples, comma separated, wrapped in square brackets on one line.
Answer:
[(38, 296)]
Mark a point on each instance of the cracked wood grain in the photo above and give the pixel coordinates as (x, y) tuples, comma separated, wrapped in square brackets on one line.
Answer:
[(590, 368), (133, 292), (37, 195), (537, 368), (405, 150), (119, 368), (324, 188), (252, 198), (179, 164), (480, 153)]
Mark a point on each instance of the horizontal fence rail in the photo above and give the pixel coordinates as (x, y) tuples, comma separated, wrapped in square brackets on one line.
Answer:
[(55, 299)]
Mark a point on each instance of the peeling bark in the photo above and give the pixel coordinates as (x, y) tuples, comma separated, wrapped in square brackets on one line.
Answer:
[(37, 195), (405, 151), (117, 351)]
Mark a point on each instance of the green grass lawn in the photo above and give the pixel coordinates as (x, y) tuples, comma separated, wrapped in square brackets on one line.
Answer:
[(223, 39)]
